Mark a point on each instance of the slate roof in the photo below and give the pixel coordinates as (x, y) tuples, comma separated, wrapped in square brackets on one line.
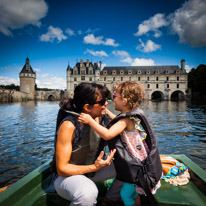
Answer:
[(93, 65), (30, 71), (143, 69)]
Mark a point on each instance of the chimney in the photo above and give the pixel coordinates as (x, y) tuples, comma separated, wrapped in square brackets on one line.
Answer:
[(87, 65), (81, 62), (183, 64), (100, 65)]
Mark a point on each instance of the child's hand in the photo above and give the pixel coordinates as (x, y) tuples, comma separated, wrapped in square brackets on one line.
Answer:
[(84, 118)]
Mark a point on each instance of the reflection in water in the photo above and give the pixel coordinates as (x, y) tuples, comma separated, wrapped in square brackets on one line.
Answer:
[(27, 133)]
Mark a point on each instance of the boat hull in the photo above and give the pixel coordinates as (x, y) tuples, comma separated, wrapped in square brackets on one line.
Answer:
[(36, 189)]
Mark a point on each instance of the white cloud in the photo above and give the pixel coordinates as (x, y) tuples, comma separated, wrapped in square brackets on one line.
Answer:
[(92, 30), (50, 81), (150, 46), (70, 32), (189, 23), (143, 62), (91, 39), (188, 68), (96, 53), (8, 81), (52, 34), (79, 32), (124, 55), (110, 42), (152, 24), (19, 13), (37, 70)]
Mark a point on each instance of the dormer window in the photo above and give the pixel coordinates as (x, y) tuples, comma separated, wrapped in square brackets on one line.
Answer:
[(130, 72), (75, 72), (122, 72), (139, 72), (82, 71), (90, 71), (177, 71), (105, 72), (167, 71), (157, 72), (148, 71), (113, 71)]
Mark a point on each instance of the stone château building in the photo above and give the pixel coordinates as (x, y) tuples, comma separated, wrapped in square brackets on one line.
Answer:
[(160, 82), (27, 80)]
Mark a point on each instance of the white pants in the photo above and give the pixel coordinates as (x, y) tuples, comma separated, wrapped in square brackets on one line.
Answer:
[(81, 190)]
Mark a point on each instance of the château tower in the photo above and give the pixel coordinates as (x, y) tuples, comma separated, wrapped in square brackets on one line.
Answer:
[(27, 80)]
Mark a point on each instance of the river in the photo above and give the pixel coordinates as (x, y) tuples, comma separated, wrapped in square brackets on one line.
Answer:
[(27, 133)]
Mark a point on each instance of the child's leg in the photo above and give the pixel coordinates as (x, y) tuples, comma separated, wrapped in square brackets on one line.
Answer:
[(137, 201), (128, 194)]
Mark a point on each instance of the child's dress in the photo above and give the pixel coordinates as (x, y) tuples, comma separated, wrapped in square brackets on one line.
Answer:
[(137, 146)]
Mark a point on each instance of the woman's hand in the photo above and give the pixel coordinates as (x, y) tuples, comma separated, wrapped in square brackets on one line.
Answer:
[(85, 118), (100, 163)]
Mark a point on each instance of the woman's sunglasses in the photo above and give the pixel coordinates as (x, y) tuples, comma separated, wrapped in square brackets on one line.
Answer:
[(101, 102)]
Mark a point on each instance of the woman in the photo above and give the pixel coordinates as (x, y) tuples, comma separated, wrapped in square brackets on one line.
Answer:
[(76, 148)]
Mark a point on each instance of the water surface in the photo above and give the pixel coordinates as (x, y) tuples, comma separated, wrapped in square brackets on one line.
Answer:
[(27, 133)]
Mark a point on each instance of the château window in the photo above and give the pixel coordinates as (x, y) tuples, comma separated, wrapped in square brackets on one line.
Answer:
[(75, 79), (148, 86), (90, 79), (157, 86), (121, 78), (105, 79), (177, 85), (178, 78), (147, 78), (82, 71), (157, 78), (139, 78), (90, 72), (82, 78), (168, 86), (113, 78), (167, 78), (75, 72), (130, 79)]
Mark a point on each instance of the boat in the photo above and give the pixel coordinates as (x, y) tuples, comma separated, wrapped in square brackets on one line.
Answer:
[(36, 189)]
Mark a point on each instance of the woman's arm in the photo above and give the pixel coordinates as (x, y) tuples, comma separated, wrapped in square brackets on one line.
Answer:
[(64, 151), (111, 115), (103, 132)]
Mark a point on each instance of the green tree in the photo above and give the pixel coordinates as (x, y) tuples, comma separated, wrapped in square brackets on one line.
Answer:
[(197, 79)]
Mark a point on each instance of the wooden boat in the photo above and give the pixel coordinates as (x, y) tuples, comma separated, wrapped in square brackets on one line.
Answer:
[(36, 189)]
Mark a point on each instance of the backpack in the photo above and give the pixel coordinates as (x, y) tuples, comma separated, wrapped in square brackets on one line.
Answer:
[(146, 173)]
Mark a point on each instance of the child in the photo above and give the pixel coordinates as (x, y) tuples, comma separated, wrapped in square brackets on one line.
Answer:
[(127, 96)]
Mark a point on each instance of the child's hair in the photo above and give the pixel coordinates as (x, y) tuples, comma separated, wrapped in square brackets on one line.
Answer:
[(132, 91)]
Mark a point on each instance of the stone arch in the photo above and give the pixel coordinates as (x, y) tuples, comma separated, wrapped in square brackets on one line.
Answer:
[(157, 96), (51, 97), (177, 96)]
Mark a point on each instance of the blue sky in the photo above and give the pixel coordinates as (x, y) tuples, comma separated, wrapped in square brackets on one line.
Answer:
[(55, 33)]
